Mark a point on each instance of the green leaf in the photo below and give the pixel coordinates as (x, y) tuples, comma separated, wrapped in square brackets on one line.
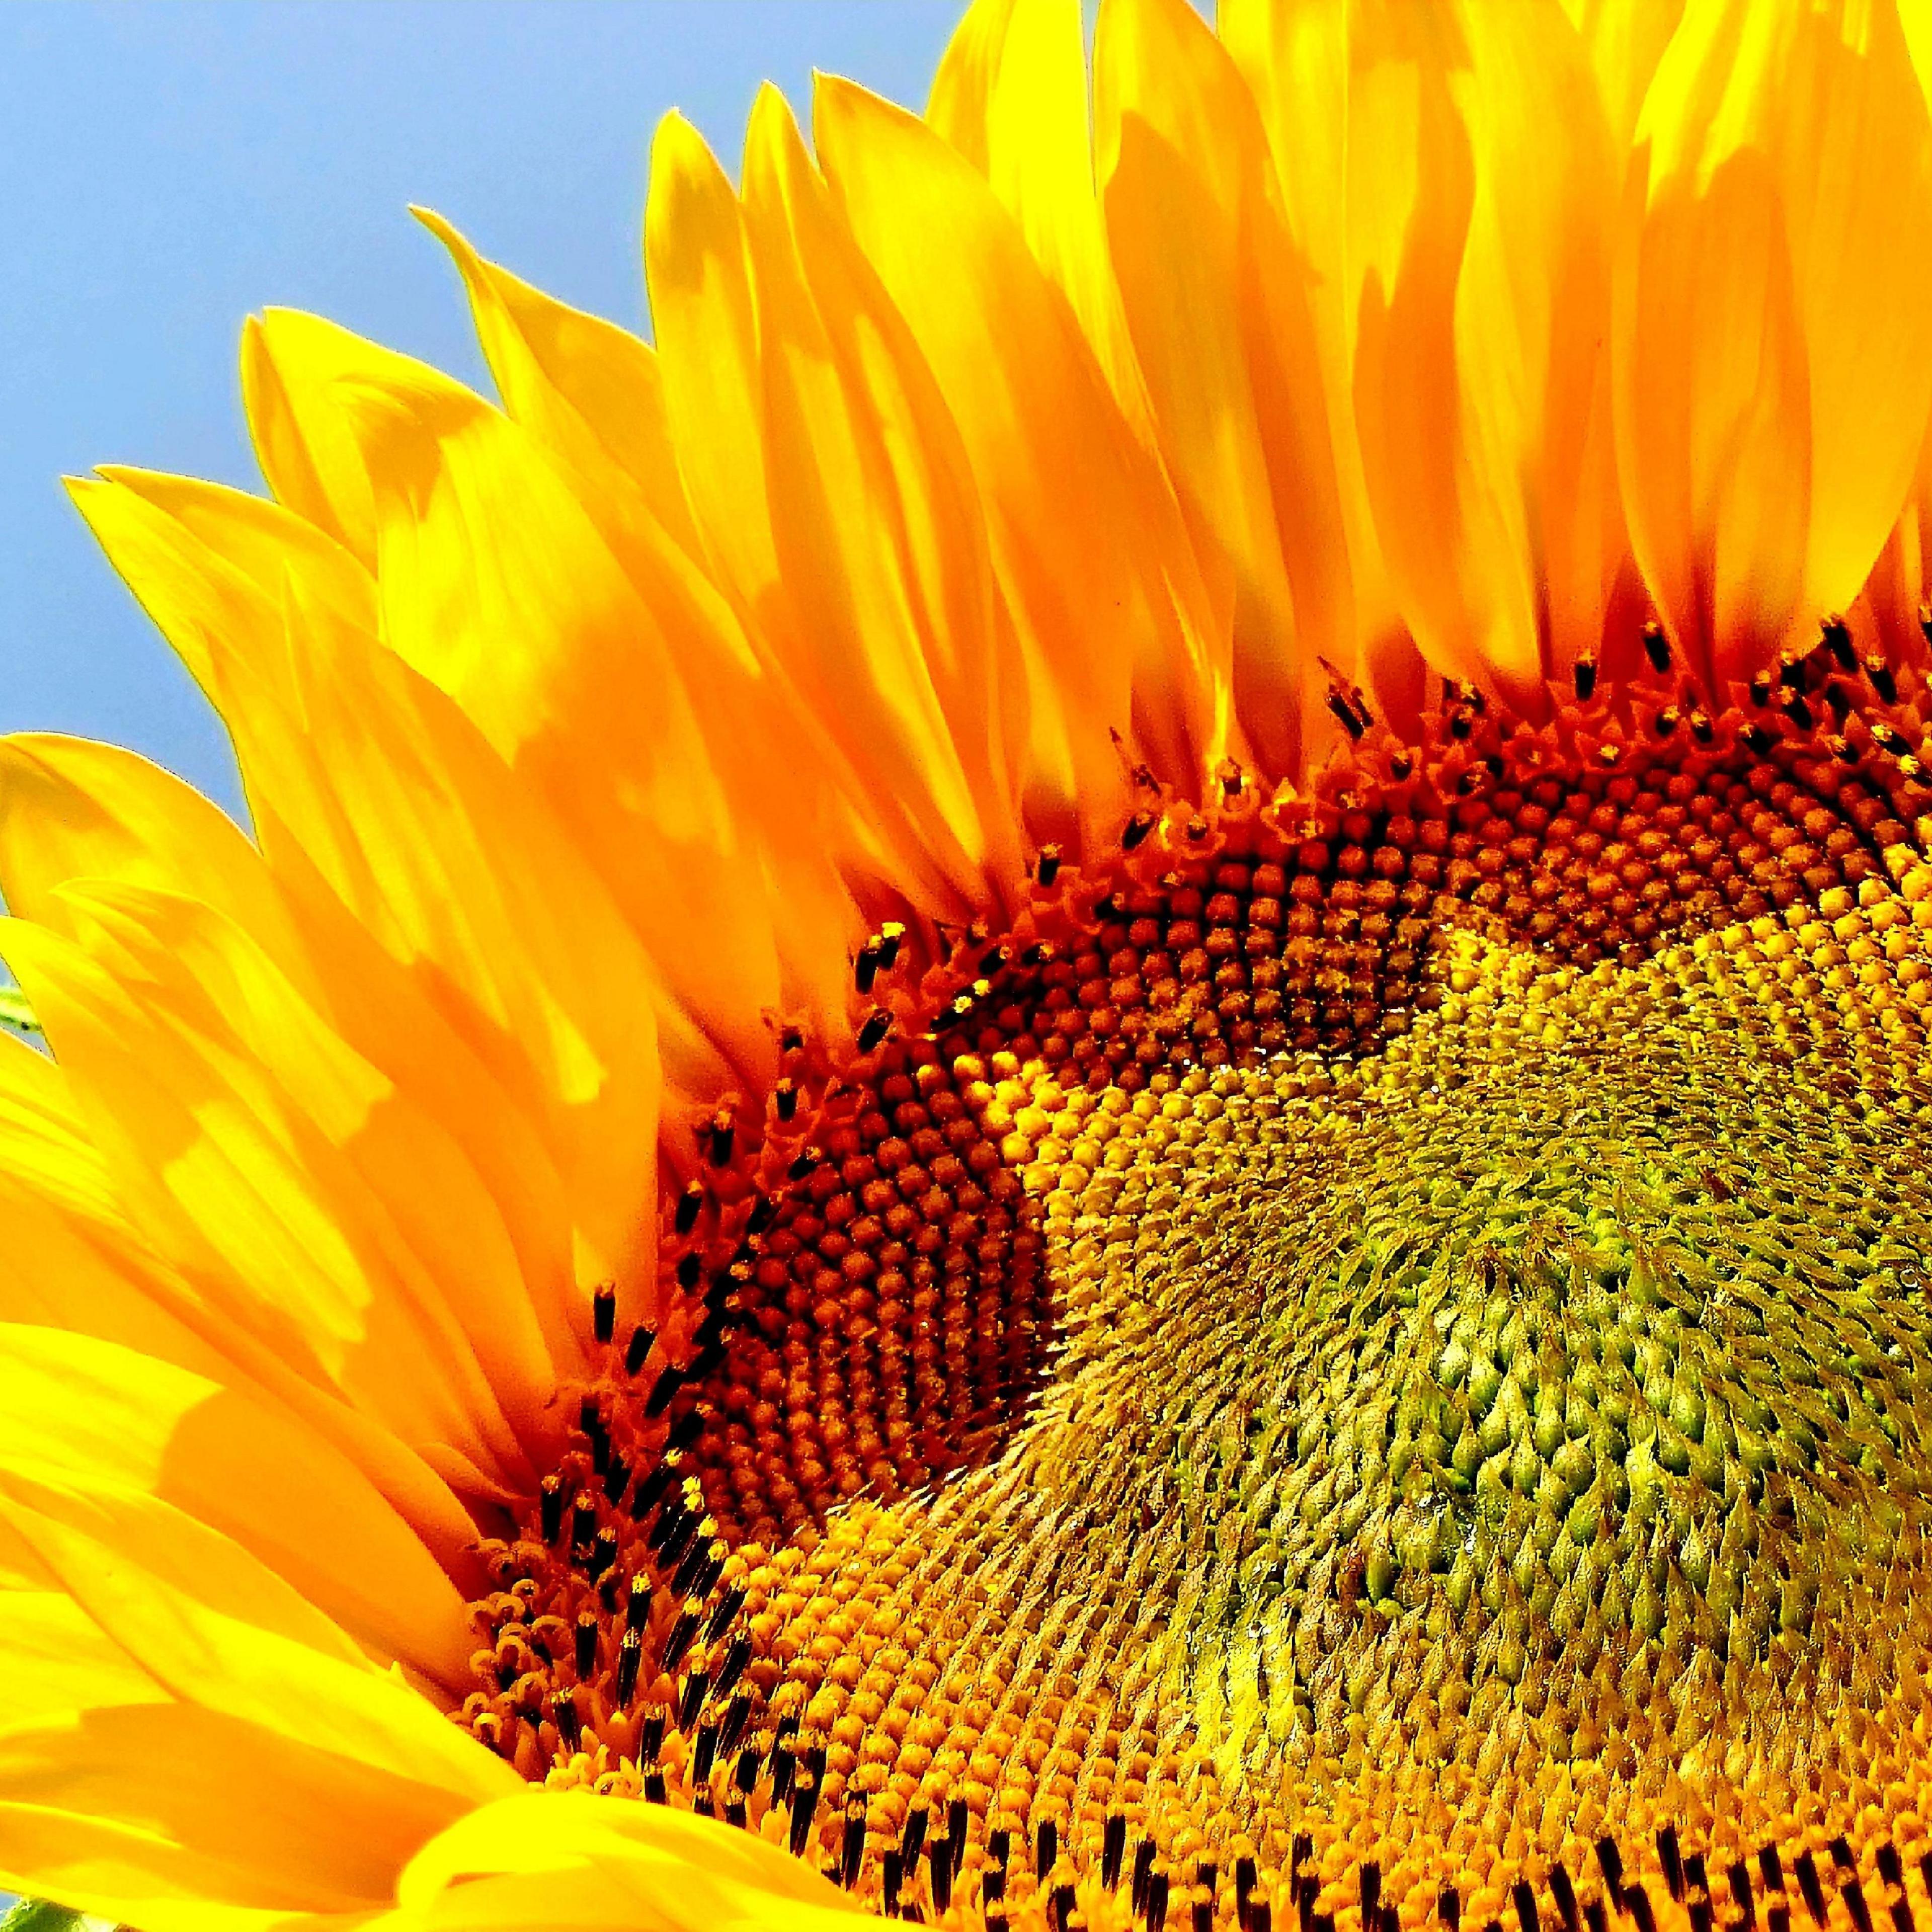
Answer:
[(35, 1914), (15, 1011)]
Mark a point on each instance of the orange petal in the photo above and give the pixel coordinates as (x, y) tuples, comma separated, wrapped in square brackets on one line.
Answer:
[(1088, 544), (705, 320), (1625, 39), (365, 777), (1773, 333), (1010, 94), (878, 533), (1297, 63), (610, 712), (1481, 395), (1215, 298), (589, 392)]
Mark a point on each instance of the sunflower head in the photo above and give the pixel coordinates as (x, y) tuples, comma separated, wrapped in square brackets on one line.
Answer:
[(1077, 1078)]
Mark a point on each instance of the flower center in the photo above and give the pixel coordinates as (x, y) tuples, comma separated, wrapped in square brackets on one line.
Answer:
[(1368, 1363)]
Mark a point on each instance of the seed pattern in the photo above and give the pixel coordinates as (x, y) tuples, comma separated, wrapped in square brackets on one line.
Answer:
[(1363, 1363)]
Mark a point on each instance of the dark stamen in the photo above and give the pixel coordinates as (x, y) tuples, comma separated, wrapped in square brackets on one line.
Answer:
[(1344, 714), (691, 1699), (1565, 1894), (583, 1519), (585, 1657), (737, 1721), (737, 1656), (642, 1338), (679, 1641), (724, 1614), (804, 1804), (638, 1606), (1741, 1891), (604, 1312), (1672, 1861), (630, 1656), (684, 1217), (852, 1852), (1524, 1896), (651, 1735), (1809, 1884)]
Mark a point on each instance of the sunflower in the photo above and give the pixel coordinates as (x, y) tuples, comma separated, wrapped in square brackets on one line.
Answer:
[(1078, 1078)]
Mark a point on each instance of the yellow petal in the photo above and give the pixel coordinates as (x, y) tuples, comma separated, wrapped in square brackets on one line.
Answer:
[(591, 392), (1773, 333), (84, 1410), (248, 1141), (239, 1750), (1480, 392), (566, 1859), (364, 779), (1626, 39), (221, 623), (292, 365), (1216, 300), (1087, 543), (1010, 94), (705, 321), (70, 810), (76, 1261), (261, 540), (602, 707), (878, 532)]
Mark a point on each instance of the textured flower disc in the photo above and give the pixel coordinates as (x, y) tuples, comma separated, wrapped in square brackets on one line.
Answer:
[(1368, 1364)]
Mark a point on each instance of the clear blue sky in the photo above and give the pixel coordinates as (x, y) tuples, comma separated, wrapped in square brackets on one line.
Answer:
[(166, 165)]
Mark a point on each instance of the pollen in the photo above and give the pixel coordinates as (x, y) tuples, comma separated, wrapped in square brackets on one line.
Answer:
[(1364, 1364)]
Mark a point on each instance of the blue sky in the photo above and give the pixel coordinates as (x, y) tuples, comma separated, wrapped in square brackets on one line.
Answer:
[(167, 167)]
